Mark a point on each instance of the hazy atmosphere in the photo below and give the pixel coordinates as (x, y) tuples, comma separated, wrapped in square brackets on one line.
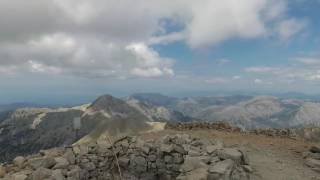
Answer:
[(61, 50)]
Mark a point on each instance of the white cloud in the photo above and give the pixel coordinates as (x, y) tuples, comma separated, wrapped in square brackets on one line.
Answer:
[(258, 81), (236, 77), (290, 27), (308, 60), (261, 69), (223, 61), (98, 38), (217, 80), (214, 21), (88, 57)]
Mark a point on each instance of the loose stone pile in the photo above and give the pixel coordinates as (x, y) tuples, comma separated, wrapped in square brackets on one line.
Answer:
[(272, 132), (223, 126), (171, 157), (312, 158)]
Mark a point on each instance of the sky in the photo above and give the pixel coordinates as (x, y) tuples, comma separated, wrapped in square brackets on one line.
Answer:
[(57, 51)]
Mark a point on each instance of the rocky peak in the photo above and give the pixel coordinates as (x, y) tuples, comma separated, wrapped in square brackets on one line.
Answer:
[(105, 102)]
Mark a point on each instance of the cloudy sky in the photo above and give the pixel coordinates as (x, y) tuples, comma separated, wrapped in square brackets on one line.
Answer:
[(74, 50)]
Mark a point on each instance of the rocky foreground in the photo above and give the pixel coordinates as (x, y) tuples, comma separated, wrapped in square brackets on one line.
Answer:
[(171, 157), (312, 158)]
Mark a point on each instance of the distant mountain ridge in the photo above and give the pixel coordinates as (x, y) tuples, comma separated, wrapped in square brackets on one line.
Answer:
[(245, 111), (28, 129)]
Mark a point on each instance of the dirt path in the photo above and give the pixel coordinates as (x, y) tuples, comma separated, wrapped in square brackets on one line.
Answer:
[(271, 158)]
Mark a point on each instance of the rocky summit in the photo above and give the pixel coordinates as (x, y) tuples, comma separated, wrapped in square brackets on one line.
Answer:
[(179, 156)]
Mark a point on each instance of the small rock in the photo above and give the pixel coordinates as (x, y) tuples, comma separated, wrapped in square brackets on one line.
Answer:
[(124, 162), (168, 159), (74, 173), (177, 158), (245, 157), (313, 155), (69, 155), (191, 163), (222, 168), (88, 166), (197, 174), (57, 175), (41, 174), (19, 161), (19, 177), (212, 148), (152, 158), (2, 171), (314, 163), (61, 163), (248, 168), (179, 149), (166, 148), (315, 149)]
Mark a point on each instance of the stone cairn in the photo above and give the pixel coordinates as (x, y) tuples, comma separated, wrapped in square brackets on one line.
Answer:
[(178, 156), (312, 158)]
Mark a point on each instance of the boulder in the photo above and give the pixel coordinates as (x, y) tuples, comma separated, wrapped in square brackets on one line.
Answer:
[(61, 163), (221, 170), (45, 162), (230, 153), (191, 163)]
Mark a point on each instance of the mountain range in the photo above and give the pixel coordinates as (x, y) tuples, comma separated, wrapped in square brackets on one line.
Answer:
[(28, 129)]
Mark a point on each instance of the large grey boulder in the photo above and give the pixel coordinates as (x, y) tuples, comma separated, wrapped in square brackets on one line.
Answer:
[(230, 153), (45, 162)]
